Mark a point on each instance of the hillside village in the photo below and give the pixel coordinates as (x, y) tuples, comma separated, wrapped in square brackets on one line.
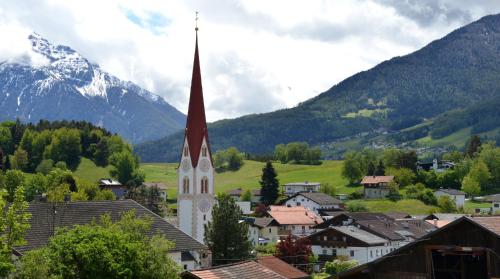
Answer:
[(79, 203)]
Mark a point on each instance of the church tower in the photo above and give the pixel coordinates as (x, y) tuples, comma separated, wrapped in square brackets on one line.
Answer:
[(195, 191)]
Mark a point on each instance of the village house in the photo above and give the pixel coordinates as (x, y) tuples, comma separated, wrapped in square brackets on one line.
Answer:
[(48, 217), (376, 187), (116, 187), (161, 187), (495, 202), (236, 194), (465, 248), (314, 201), (296, 220), (262, 231), (435, 165), (297, 187), (455, 195), (268, 267), (355, 227), (348, 241)]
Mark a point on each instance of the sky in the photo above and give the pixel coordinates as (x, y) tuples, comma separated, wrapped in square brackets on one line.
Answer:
[(256, 56)]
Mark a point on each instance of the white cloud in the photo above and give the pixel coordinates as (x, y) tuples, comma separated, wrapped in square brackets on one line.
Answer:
[(256, 55)]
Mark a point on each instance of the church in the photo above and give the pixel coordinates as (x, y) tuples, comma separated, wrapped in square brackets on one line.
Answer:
[(195, 187)]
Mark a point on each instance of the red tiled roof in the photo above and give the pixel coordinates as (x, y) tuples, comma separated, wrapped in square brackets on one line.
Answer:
[(196, 125), (377, 179), (296, 215), (240, 270), (281, 267)]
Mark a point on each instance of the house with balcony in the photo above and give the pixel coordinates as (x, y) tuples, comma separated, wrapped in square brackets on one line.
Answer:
[(296, 220), (376, 186), (291, 189), (314, 201)]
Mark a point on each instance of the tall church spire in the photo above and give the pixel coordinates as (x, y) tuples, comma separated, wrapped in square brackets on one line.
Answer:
[(196, 125)]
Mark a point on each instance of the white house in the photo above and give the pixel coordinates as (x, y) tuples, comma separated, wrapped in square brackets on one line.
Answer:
[(376, 187), (262, 231), (495, 202), (351, 242), (456, 195), (314, 201), (297, 187)]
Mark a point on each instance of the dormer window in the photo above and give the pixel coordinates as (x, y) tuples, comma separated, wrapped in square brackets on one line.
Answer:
[(204, 151)]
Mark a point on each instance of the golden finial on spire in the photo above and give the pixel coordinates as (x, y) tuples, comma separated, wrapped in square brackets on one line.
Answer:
[(196, 20)]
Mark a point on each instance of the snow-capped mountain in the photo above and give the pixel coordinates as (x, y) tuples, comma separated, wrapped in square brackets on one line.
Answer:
[(64, 85)]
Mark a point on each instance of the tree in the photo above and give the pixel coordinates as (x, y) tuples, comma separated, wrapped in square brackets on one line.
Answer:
[(6, 141), (454, 156), (473, 146), (403, 176), (20, 160), (246, 195), (351, 168), (408, 160), (260, 210), (7, 165), (269, 185), (280, 153), (1, 160), (26, 144), (490, 155), (15, 221), (36, 185), (480, 173), (371, 169), (327, 189), (380, 170), (446, 204), (234, 159), (125, 169), (295, 251), (65, 146), (101, 152), (471, 186), (124, 249), (296, 151), (225, 235), (13, 180), (45, 166)]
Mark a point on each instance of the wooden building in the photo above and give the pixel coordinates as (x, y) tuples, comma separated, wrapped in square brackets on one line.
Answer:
[(465, 248)]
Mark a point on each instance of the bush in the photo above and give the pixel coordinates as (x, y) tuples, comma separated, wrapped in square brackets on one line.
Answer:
[(45, 166), (446, 204), (356, 207), (339, 265), (356, 195)]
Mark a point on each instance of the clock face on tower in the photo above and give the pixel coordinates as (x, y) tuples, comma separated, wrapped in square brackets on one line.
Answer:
[(204, 165), (204, 205), (186, 165)]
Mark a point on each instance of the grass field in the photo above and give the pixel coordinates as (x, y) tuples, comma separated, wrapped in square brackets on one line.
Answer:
[(457, 139), (471, 205), (247, 177), (406, 205)]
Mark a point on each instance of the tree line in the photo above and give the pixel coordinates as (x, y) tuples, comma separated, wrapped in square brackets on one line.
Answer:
[(298, 153)]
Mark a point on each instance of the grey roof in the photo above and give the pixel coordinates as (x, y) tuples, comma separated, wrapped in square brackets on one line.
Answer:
[(263, 222), (44, 221), (451, 191), (319, 198), (492, 198), (239, 270), (360, 234)]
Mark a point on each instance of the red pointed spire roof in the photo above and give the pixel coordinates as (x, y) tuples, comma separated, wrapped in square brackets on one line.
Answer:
[(196, 125)]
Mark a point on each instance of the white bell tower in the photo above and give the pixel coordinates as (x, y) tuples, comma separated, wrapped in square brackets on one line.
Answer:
[(195, 191)]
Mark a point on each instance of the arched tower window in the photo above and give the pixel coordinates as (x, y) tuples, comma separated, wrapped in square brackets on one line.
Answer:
[(185, 150), (185, 185), (204, 185), (204, 151)]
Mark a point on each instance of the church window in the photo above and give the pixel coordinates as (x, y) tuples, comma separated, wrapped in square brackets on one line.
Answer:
[(204, 185), (185, 185), (204, 217), (204, 151), (185, 150)]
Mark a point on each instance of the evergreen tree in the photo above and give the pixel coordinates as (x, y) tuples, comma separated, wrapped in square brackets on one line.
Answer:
[(269, 185), (371, 169), (1, 160), (225, 235), (473, 146), (380, 170)]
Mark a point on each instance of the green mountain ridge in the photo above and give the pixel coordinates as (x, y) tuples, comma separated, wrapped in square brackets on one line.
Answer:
[(446, 78)]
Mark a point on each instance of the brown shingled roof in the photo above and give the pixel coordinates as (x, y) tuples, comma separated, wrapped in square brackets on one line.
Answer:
[(282, 268), (377, 179), (491, 223), (239, 270)]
